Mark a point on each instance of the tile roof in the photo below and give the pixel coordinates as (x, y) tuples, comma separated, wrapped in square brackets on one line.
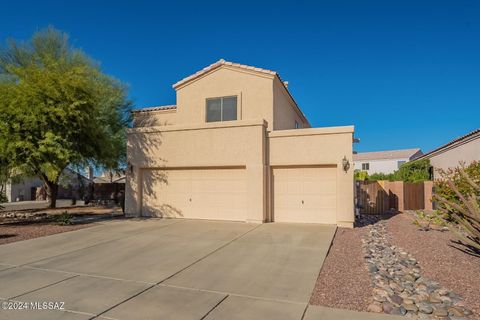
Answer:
[(385, 155), (219, 63), (473, 134), (157, 108)]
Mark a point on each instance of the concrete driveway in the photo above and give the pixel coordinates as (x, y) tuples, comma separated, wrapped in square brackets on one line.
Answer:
[(168, 269)]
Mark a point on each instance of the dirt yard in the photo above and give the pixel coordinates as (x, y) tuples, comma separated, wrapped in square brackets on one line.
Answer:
[(28, 224)]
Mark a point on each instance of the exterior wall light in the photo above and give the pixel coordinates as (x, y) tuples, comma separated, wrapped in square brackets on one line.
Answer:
[(130, 166), (345, 164)]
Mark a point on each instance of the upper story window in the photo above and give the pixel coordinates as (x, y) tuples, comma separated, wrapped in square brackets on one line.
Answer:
[(366, 166), (400, 163), (297, 126), (221, 109)]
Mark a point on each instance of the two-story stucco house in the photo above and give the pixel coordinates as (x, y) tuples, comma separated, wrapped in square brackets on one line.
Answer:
[(236, 146), (384, 161)]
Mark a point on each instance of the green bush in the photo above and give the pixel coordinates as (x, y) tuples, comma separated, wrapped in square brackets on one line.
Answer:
[(443, 189), (415, 171), (458, 194), (64, 219), (381, 176), (361, 175)]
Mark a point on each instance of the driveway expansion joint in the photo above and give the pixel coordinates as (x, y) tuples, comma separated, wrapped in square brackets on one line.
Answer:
[(43, 287), (214, 307)]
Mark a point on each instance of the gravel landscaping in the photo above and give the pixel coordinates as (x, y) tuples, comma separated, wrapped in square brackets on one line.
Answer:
[(391, 266), (400, 285), (344, 282), (28, 224), (439, 260), (19, 231)]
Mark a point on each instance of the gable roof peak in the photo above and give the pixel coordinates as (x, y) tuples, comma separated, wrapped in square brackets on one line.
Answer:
[(219, 63)]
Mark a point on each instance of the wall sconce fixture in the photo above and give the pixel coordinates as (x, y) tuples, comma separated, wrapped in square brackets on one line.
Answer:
[(130, 167), (345, 164)]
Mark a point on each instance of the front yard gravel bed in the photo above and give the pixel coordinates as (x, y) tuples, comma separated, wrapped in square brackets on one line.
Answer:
[(400, 286), (438, 258)]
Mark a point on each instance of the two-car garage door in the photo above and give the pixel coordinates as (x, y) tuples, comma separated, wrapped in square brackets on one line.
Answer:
[(298, 194), (208, 193), (305, 194)]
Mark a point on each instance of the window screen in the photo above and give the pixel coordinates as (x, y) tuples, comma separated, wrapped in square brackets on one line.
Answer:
[(222, 109)]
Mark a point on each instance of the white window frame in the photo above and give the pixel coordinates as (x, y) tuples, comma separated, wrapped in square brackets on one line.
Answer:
[(365, 165)]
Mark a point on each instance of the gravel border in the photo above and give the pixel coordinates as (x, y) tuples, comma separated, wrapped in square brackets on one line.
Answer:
[(344, 282), (13, 232)]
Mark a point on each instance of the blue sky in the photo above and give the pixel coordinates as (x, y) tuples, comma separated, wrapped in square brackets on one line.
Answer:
[(405, 73)]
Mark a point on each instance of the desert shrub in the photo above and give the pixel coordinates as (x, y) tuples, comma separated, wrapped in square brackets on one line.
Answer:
[(424, 220), (458, 194), (64, 219), (443, 189)]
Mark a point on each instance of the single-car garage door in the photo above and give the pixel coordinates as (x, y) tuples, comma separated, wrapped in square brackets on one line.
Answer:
[(305, 194), (217, 194)]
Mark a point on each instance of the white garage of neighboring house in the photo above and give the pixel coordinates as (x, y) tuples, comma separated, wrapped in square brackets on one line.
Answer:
[(237, 147)]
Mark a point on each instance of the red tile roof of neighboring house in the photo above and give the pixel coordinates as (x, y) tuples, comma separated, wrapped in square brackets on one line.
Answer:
[(157, 108), (471, 135), (385, 155)]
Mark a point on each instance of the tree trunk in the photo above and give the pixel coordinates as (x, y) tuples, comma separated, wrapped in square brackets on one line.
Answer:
[(52, 192)]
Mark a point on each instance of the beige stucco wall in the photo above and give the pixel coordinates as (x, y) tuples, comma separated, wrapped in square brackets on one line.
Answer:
[(253, 91), (318, 147), (237, 144), (451, 157), (259, 96), (241, 144), (285, 112)]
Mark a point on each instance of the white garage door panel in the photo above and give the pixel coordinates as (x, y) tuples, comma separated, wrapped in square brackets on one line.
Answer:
[(218, 194), (305, 195)]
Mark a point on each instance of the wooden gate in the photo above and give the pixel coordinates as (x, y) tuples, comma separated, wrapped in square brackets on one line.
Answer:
[(377, 197)]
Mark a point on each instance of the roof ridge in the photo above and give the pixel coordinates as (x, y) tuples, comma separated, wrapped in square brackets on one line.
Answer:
[(220, 63), (465, 136), (155, 108), (387, 154), (391, 150)]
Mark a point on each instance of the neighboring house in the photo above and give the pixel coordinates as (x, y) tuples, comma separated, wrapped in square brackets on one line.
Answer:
[(23, 190), (237, 147), (465, 149), (384, 161), (27, 189), (108, 186)]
